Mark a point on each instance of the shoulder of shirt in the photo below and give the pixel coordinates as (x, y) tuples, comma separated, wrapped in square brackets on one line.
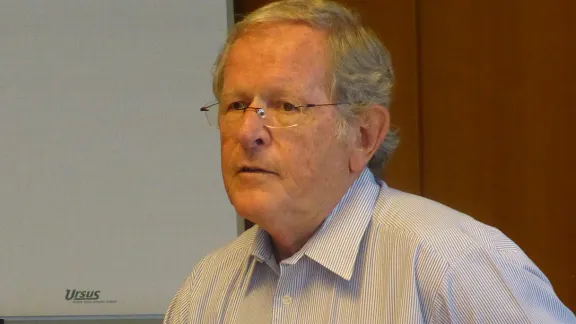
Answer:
[(228, 257), (416, 221), (428, 224), (212, 273)]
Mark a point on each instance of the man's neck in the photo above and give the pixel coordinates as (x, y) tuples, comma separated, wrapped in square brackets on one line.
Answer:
[(287, 240), (287, 243)]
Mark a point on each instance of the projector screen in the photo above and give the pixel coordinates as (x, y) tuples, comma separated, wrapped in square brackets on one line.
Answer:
[(110, 186)]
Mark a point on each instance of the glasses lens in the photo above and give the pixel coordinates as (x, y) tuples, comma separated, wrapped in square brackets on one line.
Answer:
[(275, 117), (279, 118)]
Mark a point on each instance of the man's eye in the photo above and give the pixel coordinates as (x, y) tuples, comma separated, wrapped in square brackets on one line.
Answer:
[(238, 105), (286, 106)]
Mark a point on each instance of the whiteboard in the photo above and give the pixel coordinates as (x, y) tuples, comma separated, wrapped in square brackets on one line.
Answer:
[(110, 185)]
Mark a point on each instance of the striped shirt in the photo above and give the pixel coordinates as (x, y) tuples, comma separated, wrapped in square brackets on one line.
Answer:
[(381, 256)]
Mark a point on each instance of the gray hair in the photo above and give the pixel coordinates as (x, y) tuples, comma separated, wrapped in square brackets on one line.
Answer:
[(360, 65)]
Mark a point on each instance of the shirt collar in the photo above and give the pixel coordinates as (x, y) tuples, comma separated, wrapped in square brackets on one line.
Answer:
[(262, 247), (335, 244)]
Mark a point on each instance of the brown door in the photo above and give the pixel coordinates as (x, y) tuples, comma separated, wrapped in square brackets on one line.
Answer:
[(498, 112), (486, 106)]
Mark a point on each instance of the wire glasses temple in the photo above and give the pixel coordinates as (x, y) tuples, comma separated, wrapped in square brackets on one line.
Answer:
[(207, 108)]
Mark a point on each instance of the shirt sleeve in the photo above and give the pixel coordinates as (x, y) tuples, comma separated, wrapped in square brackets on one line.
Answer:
[(497, 287)]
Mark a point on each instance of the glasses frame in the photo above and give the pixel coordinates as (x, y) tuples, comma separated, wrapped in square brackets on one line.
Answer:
[(261, 113)]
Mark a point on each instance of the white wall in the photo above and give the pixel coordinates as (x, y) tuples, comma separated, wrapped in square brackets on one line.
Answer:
[(109, 174)]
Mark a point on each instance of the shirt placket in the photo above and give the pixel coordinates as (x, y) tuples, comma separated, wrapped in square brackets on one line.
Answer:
[(285, 296)]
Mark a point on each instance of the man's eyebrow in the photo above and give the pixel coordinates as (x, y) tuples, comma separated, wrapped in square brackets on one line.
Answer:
[(287, 91), (233, 94), (268, 94)]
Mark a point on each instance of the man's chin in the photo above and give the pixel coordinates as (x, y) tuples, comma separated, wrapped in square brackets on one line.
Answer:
[(254, 207)]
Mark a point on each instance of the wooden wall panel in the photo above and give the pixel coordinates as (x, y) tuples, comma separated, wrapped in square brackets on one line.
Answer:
[(498, 98)]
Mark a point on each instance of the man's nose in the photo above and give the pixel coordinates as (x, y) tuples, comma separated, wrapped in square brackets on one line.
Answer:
[(252, 132)]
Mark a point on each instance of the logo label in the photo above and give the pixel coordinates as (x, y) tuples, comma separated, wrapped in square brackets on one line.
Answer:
[(86, 297)]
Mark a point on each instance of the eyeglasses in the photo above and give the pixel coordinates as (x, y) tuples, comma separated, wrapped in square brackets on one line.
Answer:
[(280, 114)]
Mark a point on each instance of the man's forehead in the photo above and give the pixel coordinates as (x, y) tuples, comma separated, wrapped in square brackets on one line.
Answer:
[(281, 40), (279, 53), (285, 32)]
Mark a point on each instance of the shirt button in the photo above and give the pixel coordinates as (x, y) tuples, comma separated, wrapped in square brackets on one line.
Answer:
[(286, 300)]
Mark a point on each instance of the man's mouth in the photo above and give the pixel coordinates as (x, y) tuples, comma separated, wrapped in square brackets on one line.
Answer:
[(253, 170)]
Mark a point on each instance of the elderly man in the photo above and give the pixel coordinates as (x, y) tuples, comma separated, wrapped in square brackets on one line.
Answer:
[(303, 91)]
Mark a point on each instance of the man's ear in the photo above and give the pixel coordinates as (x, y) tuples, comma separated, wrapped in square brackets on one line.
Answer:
[(370, 130)]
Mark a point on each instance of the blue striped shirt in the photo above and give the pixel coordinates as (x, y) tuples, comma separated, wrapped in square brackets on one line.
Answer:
[(381, 256)]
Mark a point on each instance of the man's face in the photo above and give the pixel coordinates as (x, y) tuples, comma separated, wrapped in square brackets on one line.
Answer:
[(272, 174)]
